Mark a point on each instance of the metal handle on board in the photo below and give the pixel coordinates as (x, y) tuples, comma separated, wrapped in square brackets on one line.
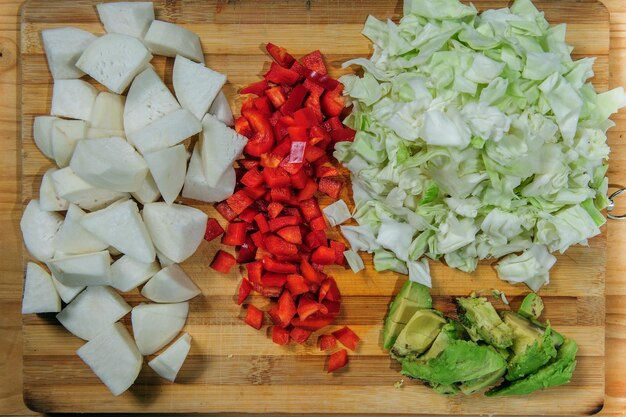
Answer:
[(611, 205)]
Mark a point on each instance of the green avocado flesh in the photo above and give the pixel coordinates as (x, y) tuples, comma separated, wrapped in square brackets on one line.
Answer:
[(481, 319), (418, 334), (412, 297), (531, 307)]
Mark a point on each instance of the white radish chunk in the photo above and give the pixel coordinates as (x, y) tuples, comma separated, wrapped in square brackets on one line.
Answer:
[(72, 188), (66, 292), (170, 285), (167, 131), (98, 133), (176, 230), (148, 100), (63, 47), (168, 363), (168, 168), (40, 295), (48, 198), (92, 311), (74, 239), (108, 111), (220, 146), (164, 260), (73, 99), (42, 134), (82, 270), (198, 188), (113, 356), (128, 273), (148, 192), (120, 225), (127, 18), (39, 229), (65, 134), (221, 110), (155, 325), (168, 39), (195, 85), (109, 163), (113, 60)]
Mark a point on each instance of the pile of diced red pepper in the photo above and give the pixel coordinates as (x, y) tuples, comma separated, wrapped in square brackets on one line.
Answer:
[(292, 120)]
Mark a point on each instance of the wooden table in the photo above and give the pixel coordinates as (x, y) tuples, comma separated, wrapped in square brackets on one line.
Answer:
[(10, 210)]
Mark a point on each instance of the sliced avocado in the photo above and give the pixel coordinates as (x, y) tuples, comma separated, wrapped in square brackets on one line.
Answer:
[(557, 338), (553, 374), (461, 360), (481, 319), (418, 334), (532, 346), (412, 297), (449, 332), (531, 307), (470, 387)]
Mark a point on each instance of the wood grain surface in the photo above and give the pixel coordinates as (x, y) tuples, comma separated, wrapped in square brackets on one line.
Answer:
[(257, 368)]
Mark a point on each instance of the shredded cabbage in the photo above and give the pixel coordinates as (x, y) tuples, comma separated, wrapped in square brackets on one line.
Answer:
[(477, 137), (337, 213)]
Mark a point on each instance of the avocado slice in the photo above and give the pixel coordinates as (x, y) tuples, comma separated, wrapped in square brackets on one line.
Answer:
[(449, 332), (418, 334), (412, 297), (470, 387), (531, 307), (557, 338), (482, 321), (532, 346), (553, 374)]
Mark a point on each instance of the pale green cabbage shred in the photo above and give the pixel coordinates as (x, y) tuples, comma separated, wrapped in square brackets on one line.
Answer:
[(477, 137)]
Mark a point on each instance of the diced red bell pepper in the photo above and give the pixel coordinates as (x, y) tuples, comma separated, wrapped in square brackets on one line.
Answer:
[(269, 292), (330, 186), (280, 335), (298, 133), (224, 209), (280, 130), (274, 117), (327, 341), (315, 62), (254, 192), (281, 75), (280, 55), (296, 152), (309, 273), (291, 234), (264, 105), (244, 290), (329, 291), (313, 104), (347, 337), (278, 246), (323, 80), (262, 223), (255, 270), (337, 360), (248, 215), (323, 255), (223, 261), (343, 134), (269, 160), (286, 309), (318, 223), (283, 148), (332, 102), (339, 248), (254, 317), (305, 117), (257, 88), (313, 323), (326, 171), (235, 234), (308, 306), (293, 211), (249, 164), (300, 335), (213, 230), (320, 137), (296, 284), (242, 126), (274, 209), (252, 178), (273, 279), (334, 307), (299, 179), (272, 265), (276, 96), (263, 139), (315, 89), (310, 209), (291, 168), (247, 251), (258, 240), (308, 191), (281, 194), (239, 201), (313, 153), (325, 159), (315, 239), (294, 100), (283, 221), (334, 123), (276, 177)]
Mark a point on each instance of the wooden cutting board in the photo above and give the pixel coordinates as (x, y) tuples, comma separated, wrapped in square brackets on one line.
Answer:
[(234, 368)]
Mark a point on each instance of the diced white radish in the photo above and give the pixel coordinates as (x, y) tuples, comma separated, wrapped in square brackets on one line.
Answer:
[(73, 99), (42, 134), (148, 100), (109, 163), (48, 198), (82, 270), (92, 311), (198, 188), (168, 39), (74, 239), (128, 273), (114, 59), (155, 325), (65, 134), (121, 226), (195, 85), (221, 110), (97, 133), (176, 230), (168, 363), (168, 168), (127, 18), (108, 111), (167, 131), (164, 260), (170, 285), (148, 192), (39, 229), (40, 296), (72, 188), (220, 146), (113, 356), (63, 47), (66, 292)]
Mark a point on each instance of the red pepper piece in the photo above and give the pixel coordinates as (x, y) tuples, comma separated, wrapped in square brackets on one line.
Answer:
[(315, 89), (315, 62), (313, 153), (339, 248), (248, 215), (318, 223), (213, 230), (264, 105), (291, 168), (291, 234), (223, 261), (254, 192), (286, 309), (272, 265), (293, 211), (283, 221), (235, 234), (270, 292), (269, 160), (280, 335), (308, 191), (319, 136), (300, 335), (278, 246), (273, 279), (310, 209), (347, 337), (296, 284), (299, 180), (298, 133), (255, 270), (283, 148), (332, 102), (327, 342), (337, 360), (308, 306), (247, 251), (281, 194), (325, 159), (315, 239), (309, 273), (263, 139), (244, 290), (280, 55), (323, 80), (248, 164), (262, 223), (252, 178), (224, 209), (281, 75), (242, 126), (257, 88), (276, 96), (274, 209), (239, 201), (294, 101), (276, 177), (334, 307), (323, 256), (280, 130), (254, 317), (344, 134), (335, 123), (305, 117), (329, 291), (258, 240), (330, 186), (325, 171), (313, 323)]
